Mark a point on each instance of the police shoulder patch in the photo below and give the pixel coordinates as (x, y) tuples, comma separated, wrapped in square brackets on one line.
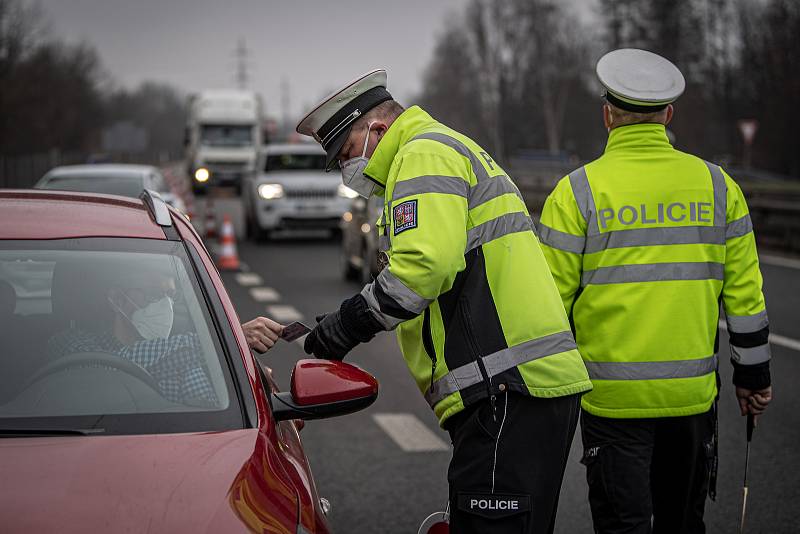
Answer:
[(405, 216)]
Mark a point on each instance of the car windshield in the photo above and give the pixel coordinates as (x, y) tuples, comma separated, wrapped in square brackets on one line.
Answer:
[(226, 135), (295, 162), (126, 186), (111, 335)]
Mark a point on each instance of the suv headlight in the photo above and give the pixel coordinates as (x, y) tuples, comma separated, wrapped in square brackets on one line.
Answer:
[(270, 191), (346, 192)]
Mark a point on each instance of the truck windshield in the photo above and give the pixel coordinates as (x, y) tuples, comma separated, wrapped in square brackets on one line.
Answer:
[(226, 135), (295, 162)]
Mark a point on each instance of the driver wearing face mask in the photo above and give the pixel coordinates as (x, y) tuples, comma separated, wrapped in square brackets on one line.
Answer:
[(142, 316)]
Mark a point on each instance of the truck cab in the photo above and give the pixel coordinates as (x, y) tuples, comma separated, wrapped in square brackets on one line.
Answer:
[(223, 136)]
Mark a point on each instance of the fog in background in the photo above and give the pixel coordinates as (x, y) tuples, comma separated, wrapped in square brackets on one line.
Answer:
[(312, 45)]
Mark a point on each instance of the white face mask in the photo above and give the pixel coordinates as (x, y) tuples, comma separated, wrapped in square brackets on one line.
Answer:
[(353, 171), (153, 321)]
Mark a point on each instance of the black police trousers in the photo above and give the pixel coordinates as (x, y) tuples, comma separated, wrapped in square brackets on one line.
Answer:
[(509, 457), (648, 475)]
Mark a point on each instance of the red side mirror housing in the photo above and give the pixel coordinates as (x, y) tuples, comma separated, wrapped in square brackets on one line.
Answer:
[(325, 388)]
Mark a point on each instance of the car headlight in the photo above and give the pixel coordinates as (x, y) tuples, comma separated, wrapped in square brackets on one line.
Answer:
[(270, 191), (346, 192), (202, 174)]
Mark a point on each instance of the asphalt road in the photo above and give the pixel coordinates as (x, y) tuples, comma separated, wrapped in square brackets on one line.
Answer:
[(377, 483)]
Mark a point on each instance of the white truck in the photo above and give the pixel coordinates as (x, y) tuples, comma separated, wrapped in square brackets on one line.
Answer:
[(223, 137)]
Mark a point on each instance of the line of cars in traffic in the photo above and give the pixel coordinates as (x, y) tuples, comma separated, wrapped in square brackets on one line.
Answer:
[(129, 398)]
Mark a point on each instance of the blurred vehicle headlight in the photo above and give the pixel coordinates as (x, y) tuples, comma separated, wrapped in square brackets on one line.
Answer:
[(346, 192), (347, 216), (366, 228), (270, 191), (202, 174)]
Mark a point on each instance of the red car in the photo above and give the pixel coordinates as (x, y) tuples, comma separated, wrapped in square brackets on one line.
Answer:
[(129, 399)]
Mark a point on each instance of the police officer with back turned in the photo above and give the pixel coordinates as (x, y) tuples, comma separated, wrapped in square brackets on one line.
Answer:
[(644, 243), (478, 318)]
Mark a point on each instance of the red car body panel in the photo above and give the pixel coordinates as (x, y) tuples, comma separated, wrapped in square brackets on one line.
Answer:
[(59, 215), (254, 479)]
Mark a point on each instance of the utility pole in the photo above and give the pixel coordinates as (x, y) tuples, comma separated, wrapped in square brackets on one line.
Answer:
[(286, 103), (242, 65)]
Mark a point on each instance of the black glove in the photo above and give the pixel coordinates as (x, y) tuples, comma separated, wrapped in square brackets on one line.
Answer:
[(337, 333)]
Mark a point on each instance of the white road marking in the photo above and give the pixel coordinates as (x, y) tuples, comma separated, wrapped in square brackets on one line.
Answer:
[(264, 294), (409, 433), (283, 314), (779, 261), (249, 279), (775, 339)]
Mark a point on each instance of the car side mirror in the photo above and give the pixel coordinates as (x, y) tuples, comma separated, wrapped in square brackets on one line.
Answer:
[(324, 388)]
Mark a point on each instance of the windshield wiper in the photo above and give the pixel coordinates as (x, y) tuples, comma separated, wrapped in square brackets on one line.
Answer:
[(22, 432)]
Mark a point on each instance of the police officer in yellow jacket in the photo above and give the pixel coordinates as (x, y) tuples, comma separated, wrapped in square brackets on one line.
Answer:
[(478, 317), (643, 243)]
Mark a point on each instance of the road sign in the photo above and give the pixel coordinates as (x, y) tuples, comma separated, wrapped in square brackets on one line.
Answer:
[(748, 129)]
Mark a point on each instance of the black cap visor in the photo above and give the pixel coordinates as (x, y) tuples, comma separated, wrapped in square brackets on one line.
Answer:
[(332, 152)]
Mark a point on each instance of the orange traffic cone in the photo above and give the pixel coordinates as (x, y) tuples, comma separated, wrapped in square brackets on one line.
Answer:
[(211, 221), (228, 257)]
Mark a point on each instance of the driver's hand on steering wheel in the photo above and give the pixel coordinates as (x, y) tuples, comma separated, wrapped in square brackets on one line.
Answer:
[(262, 333)]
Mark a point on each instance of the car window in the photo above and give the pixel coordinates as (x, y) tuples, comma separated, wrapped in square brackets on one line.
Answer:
[(226, 135), (126, 186), (109, 329), (295, 162)]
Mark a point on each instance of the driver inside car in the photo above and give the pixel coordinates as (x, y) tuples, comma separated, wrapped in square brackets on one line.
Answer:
[(141, 310)]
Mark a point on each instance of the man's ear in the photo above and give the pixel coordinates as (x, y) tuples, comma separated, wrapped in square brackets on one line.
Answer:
[(670, 112), (607, 118), (380, 127)]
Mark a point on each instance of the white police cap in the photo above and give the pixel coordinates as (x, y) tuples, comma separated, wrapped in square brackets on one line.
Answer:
[(330, 120), (638, 80)]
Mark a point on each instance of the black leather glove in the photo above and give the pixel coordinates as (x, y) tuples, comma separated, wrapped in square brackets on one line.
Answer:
[(337, 333)]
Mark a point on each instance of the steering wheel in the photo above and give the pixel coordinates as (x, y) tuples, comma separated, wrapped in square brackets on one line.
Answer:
[(95, 359)]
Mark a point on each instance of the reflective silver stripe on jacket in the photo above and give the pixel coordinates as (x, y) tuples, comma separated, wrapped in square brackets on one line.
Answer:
[(402, 295), (720, 194), (739, 227), (490, 189), (384, 244), (751, 355), (653, 272), (505, 224), (582, 192), (745, 324), (651, 370), (499, 362), (639, 237), (448, 185), (487, 187), (561, 240)]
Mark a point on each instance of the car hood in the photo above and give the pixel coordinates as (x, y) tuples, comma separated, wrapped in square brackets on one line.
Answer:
[(301, 179), (201, 482)]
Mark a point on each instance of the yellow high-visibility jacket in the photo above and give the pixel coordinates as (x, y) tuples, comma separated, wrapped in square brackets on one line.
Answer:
[(466, 286), (643, 243)]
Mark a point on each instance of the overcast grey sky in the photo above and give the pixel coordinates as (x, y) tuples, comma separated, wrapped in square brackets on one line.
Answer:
[(316, 45)]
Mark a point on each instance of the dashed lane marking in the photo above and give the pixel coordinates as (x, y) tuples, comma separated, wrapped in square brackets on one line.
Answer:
[(283, 314), (775, 339), (249, 279), (265, 294), (409, 433), (779, 261)]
